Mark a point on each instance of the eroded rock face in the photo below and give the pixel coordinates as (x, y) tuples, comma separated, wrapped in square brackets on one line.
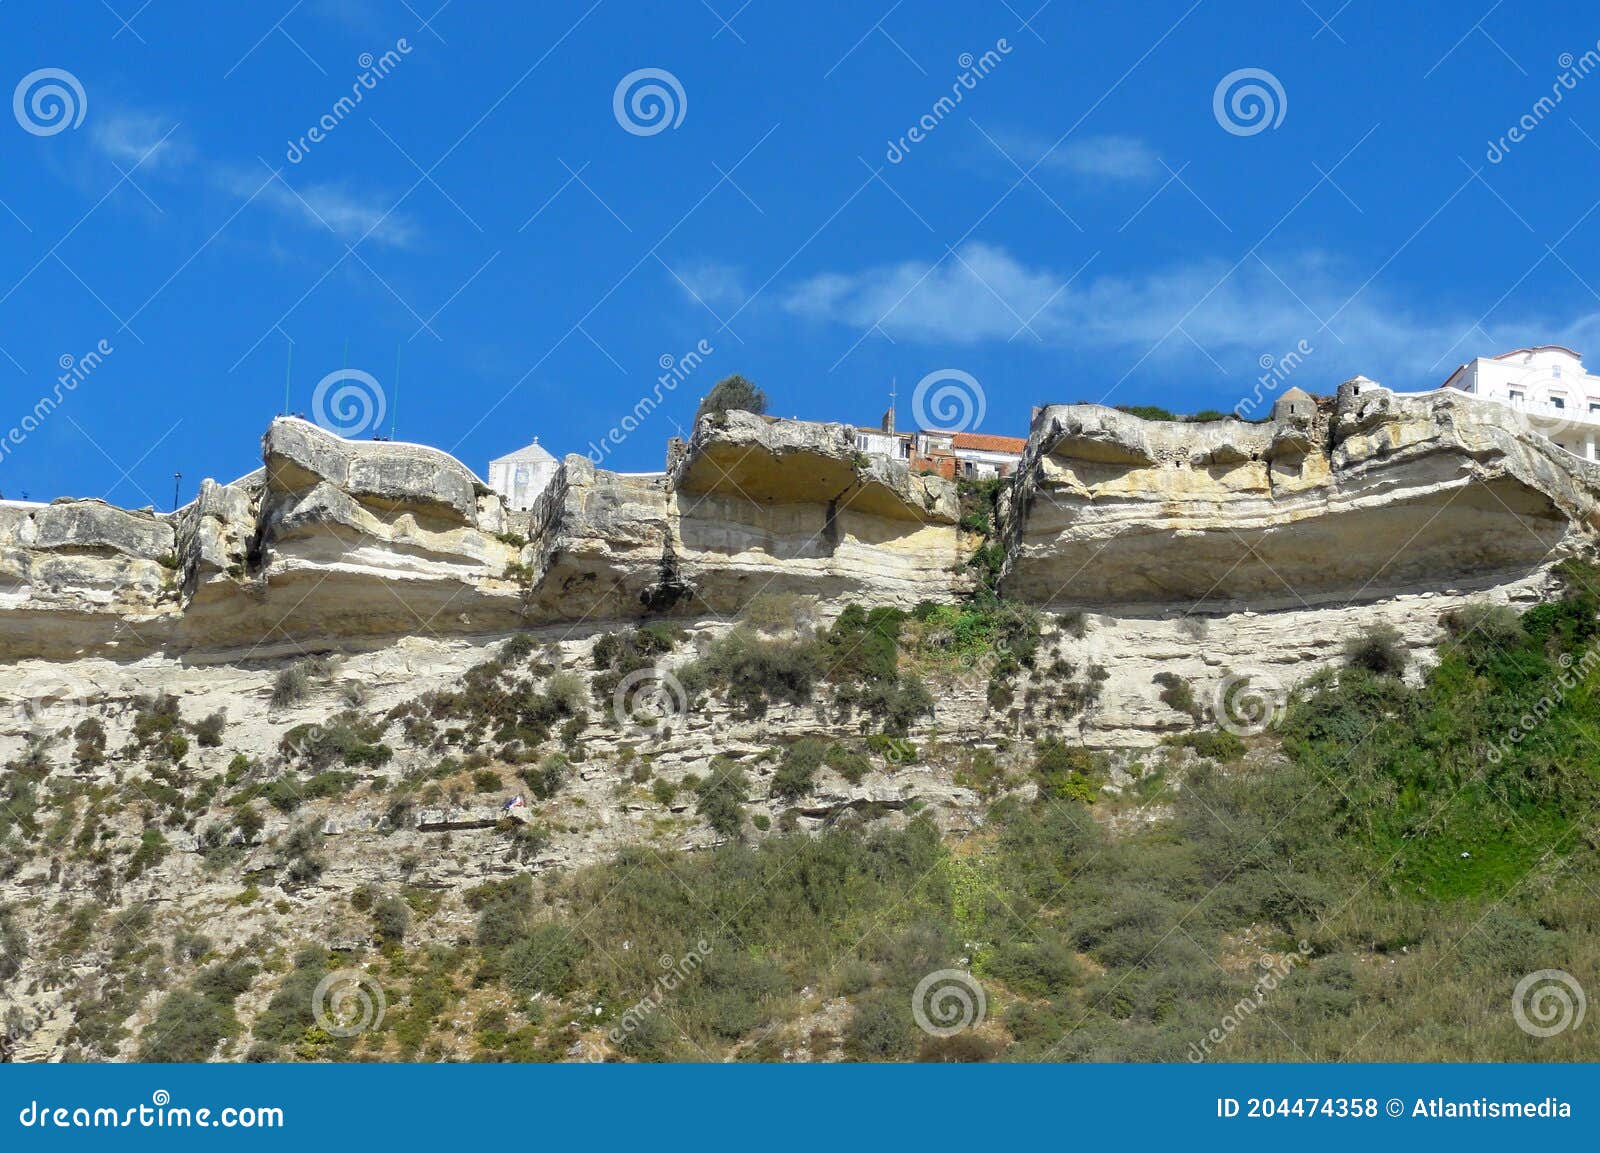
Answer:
[(337, 539), (790, 506), (1371, 495), (1352, 500)]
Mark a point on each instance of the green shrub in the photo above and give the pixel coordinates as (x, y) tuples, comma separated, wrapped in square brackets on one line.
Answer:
[(548, 777), (391, 919), (848, 763), (1066, 773), (881, 1028), (797, 771), (1216, 744), (188, 1027), (13, 945), (732, 392), (208, 730), (722, 796), (1380, 650), (1177, 693)]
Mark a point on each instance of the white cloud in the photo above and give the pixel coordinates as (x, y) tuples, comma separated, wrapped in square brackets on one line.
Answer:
[(349, 215), (1234, 314), (1106, 158), (717, 284), (129, 137), (1097, 159)]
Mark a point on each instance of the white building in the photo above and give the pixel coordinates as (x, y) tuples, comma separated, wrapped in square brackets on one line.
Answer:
[(949, 454), (1549, 384), (519, 477)]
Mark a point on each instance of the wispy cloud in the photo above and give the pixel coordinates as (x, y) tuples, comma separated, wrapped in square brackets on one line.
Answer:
[(1106, 158), (129, 136), (716, 284), (1233, 315), (334, 207), (1097, 159)]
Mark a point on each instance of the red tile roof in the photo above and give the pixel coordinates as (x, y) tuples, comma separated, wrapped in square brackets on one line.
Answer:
[(983, 442)]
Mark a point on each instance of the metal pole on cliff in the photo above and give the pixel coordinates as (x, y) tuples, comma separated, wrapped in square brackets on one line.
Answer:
[(177, 480), (288, 375), (394, 409)]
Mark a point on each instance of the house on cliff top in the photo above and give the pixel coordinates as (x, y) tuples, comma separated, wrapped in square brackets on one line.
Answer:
[(949, 454), (1548, 383)]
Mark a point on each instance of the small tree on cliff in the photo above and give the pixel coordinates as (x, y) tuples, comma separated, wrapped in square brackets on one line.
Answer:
[(733, 392)]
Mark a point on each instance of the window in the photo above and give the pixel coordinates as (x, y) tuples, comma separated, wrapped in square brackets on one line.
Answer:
[(1557, 402), (1593, 408), (1515, 394), (1555, 371)]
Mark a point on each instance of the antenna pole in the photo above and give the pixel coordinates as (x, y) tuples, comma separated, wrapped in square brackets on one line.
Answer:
[(288, 373), (177, 480), (394, 409)]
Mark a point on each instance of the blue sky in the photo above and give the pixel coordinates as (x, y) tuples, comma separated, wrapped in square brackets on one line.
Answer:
[(486, 239)]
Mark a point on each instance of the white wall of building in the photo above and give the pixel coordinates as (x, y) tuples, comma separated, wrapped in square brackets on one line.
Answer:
[(519, 482), (1549, 384)]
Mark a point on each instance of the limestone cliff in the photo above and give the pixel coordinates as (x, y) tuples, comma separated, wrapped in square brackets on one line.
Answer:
[(459, 651), (1372, 494)]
